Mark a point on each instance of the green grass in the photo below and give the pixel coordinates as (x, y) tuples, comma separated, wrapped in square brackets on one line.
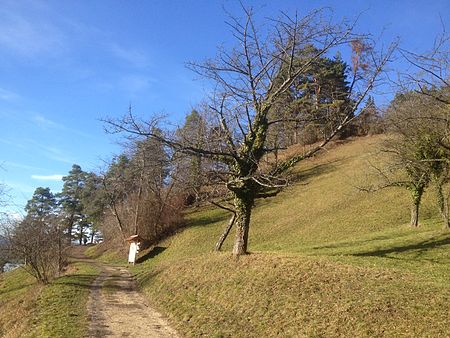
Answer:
[(327, 261), (103, 254), (275, 295), (18, 295), (58, 309), (61, 308)]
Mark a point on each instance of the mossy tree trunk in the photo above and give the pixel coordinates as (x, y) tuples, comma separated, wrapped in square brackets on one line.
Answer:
[(243, 205), (416, 195)]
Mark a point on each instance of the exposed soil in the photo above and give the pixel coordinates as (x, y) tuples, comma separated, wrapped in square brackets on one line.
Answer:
[(116, 309)]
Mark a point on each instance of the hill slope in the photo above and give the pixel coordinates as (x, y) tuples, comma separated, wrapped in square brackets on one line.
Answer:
[(58, 309), (327, 260)]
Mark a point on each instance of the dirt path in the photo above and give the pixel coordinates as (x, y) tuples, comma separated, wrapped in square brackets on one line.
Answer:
[(116, 309)]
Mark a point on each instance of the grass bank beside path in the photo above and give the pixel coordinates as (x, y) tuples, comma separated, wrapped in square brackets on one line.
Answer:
[(61, 308), (29, 309), (326, 261), (18, 296), (276, 295)]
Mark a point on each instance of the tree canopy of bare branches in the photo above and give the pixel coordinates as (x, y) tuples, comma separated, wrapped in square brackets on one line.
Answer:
[(248, 81)]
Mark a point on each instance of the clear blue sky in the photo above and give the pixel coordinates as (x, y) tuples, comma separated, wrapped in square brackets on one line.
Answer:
[(66, 64)]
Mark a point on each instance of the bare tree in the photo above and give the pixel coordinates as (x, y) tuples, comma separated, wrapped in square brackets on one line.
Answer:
[(415, 160), (425, 122), (404, 169), (248, 80), (36, 243), (429, 70), (138, 194)]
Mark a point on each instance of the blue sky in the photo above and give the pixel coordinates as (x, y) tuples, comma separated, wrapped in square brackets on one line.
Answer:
[(66, 64)]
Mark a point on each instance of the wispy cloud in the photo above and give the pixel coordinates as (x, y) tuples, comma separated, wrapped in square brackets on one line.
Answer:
[(51, 152), (55, 177), (135, 84), (21, 166), (132, 56), (15, 143), (56, 154), (20, 187), (46, 123), (28, 33), (8, 95)]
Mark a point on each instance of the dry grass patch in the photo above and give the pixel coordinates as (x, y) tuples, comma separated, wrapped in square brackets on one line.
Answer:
[(265, 295), (30, 309), (328, 261), (18, 294)]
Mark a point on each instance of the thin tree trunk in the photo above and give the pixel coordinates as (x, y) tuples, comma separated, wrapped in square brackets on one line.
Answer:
[(416, 195), (295, 140), (443, 208), (445, 215), (225, 233), (414, 215), (243, 213), (138, 203), (442, 200), (112, 206), (60, 263), (70, 228), (116, 215), (80, 239), (136, 213)]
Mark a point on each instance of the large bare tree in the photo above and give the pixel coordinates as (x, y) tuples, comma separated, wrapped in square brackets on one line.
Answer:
[(247, 81)]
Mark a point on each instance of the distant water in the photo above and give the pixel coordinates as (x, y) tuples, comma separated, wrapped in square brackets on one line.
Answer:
[(10, 266)]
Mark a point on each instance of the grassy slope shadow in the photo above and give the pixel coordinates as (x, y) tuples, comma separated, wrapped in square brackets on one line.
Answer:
[(422, 246), (155, 251)]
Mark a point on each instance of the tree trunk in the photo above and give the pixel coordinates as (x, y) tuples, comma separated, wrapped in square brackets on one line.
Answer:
[(442, 200), (445, 217), (414, 215), (295, 138), (243, 207), (60, 262), (443, 209), (225, 233), (70, 228), (113, 209), (416, 195), (136, 212)]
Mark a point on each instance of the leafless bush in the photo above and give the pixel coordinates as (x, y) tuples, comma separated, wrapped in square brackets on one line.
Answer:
[(39, 244)]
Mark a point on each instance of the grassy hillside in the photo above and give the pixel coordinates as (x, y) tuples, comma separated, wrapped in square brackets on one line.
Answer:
[(327, 260), (29, 309), (18, 295)]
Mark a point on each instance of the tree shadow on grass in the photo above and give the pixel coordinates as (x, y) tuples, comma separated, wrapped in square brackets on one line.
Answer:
[(84, 281), (17, 288), (349, 244), (152, 253), (207, 219), (420, 248), (305, 176), (147, 277)]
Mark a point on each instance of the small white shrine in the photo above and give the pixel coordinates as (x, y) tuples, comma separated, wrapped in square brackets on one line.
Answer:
[(135, 242)]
